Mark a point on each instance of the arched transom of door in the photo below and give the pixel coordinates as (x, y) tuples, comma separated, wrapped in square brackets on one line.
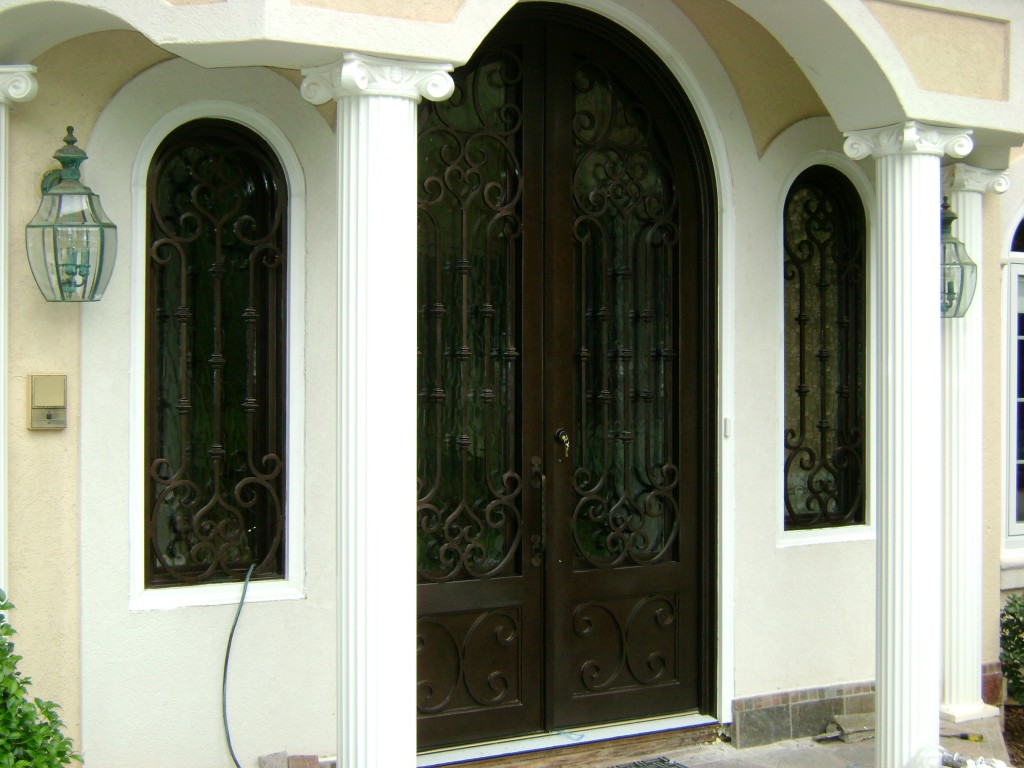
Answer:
[(565, 412)]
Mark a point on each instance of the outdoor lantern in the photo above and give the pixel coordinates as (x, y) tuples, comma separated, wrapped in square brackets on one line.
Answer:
[(70, 241), (959, 273)]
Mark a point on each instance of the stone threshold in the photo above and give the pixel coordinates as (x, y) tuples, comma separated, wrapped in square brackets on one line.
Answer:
[(601, 754), (284, 760)]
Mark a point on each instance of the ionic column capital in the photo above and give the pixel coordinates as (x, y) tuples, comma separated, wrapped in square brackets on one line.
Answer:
[(17, 83), (909, 138), (961, 177), (362, 75)]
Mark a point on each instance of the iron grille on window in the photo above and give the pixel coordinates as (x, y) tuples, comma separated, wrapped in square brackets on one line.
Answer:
[(215, 357), (824, 352)]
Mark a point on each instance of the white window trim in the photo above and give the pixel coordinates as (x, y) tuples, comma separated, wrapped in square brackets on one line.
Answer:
[(1013, 532), (866, 530), (291, 587)]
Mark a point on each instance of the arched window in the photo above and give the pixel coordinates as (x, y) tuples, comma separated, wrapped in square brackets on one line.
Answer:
[(825, 308), (216, 267)]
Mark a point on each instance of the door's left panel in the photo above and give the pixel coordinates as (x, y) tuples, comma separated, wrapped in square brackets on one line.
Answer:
[(480, 539)]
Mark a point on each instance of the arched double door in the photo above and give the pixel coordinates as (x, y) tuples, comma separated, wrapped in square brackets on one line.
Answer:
[(566, 383)]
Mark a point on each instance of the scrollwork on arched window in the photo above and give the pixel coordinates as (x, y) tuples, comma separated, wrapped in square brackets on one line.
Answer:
[(825, 329)]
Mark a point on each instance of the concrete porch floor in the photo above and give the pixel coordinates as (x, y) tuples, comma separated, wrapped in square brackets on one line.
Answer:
[(797, 753)]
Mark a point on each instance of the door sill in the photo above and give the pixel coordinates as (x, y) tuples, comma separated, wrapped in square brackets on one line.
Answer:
[(566, 738)]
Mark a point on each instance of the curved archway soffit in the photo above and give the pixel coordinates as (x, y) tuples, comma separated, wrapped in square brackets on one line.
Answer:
[(223, 33)]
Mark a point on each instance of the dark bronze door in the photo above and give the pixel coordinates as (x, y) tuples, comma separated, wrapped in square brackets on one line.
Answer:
[(565, 456)]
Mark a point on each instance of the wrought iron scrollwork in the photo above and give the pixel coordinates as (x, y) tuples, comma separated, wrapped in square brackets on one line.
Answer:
[(824, 352), (626, 231), (468, 508), (215, 347)]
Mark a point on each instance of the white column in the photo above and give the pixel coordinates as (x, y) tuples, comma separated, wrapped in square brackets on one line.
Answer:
[(377, 174), (908, 433), (962, 462), (16, 84)]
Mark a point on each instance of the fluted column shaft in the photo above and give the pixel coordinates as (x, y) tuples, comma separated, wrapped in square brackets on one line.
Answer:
[(376, 132), (962, 462), (907, 433), (17, 83)]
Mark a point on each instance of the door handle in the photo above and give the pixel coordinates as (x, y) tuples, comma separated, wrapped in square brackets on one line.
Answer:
[(562, 438), (539, 540)]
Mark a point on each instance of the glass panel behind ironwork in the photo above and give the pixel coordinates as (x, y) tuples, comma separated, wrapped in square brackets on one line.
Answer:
[(468, 509), (825, 308), (625, 233), (215, 357)]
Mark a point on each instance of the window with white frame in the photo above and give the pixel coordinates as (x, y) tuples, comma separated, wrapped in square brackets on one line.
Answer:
[(1015, 390), (825, 352), (215, 357)]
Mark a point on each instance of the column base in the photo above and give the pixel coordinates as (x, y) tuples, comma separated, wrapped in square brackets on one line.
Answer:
[(963, 712)]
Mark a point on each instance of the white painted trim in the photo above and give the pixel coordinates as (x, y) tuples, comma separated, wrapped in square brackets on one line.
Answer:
[(566, 738), (1011, 546), (1013, 532), (293, 585), (849, 533)]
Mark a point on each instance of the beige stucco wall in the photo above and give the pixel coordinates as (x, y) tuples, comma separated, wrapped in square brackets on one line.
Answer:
[(962, 54), (774, 92), (75, 81), (993, 410), (438, 11)]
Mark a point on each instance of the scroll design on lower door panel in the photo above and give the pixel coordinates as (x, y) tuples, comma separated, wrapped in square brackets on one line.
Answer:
[(473, 660), (625, 644)]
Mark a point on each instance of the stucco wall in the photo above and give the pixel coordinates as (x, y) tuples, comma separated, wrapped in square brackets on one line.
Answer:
[(804, 612), (996, 240), (283, 675), (774, 92), (145, 685), (44, 466), (962, 54)]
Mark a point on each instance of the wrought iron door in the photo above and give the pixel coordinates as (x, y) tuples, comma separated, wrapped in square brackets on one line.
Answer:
[(565, 411)]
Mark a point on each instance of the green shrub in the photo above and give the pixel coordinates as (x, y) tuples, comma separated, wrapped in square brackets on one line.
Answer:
[(31, 733), (1011, 640)]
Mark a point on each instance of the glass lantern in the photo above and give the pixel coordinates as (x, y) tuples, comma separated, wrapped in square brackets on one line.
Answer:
[(71, 243), (959, 273)]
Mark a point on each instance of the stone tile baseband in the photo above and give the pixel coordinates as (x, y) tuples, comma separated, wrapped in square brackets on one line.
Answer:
[(785, 715), (992, 683), (797, 714)]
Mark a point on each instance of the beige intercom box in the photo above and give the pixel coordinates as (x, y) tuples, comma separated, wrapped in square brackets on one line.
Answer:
[(47, 401)]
